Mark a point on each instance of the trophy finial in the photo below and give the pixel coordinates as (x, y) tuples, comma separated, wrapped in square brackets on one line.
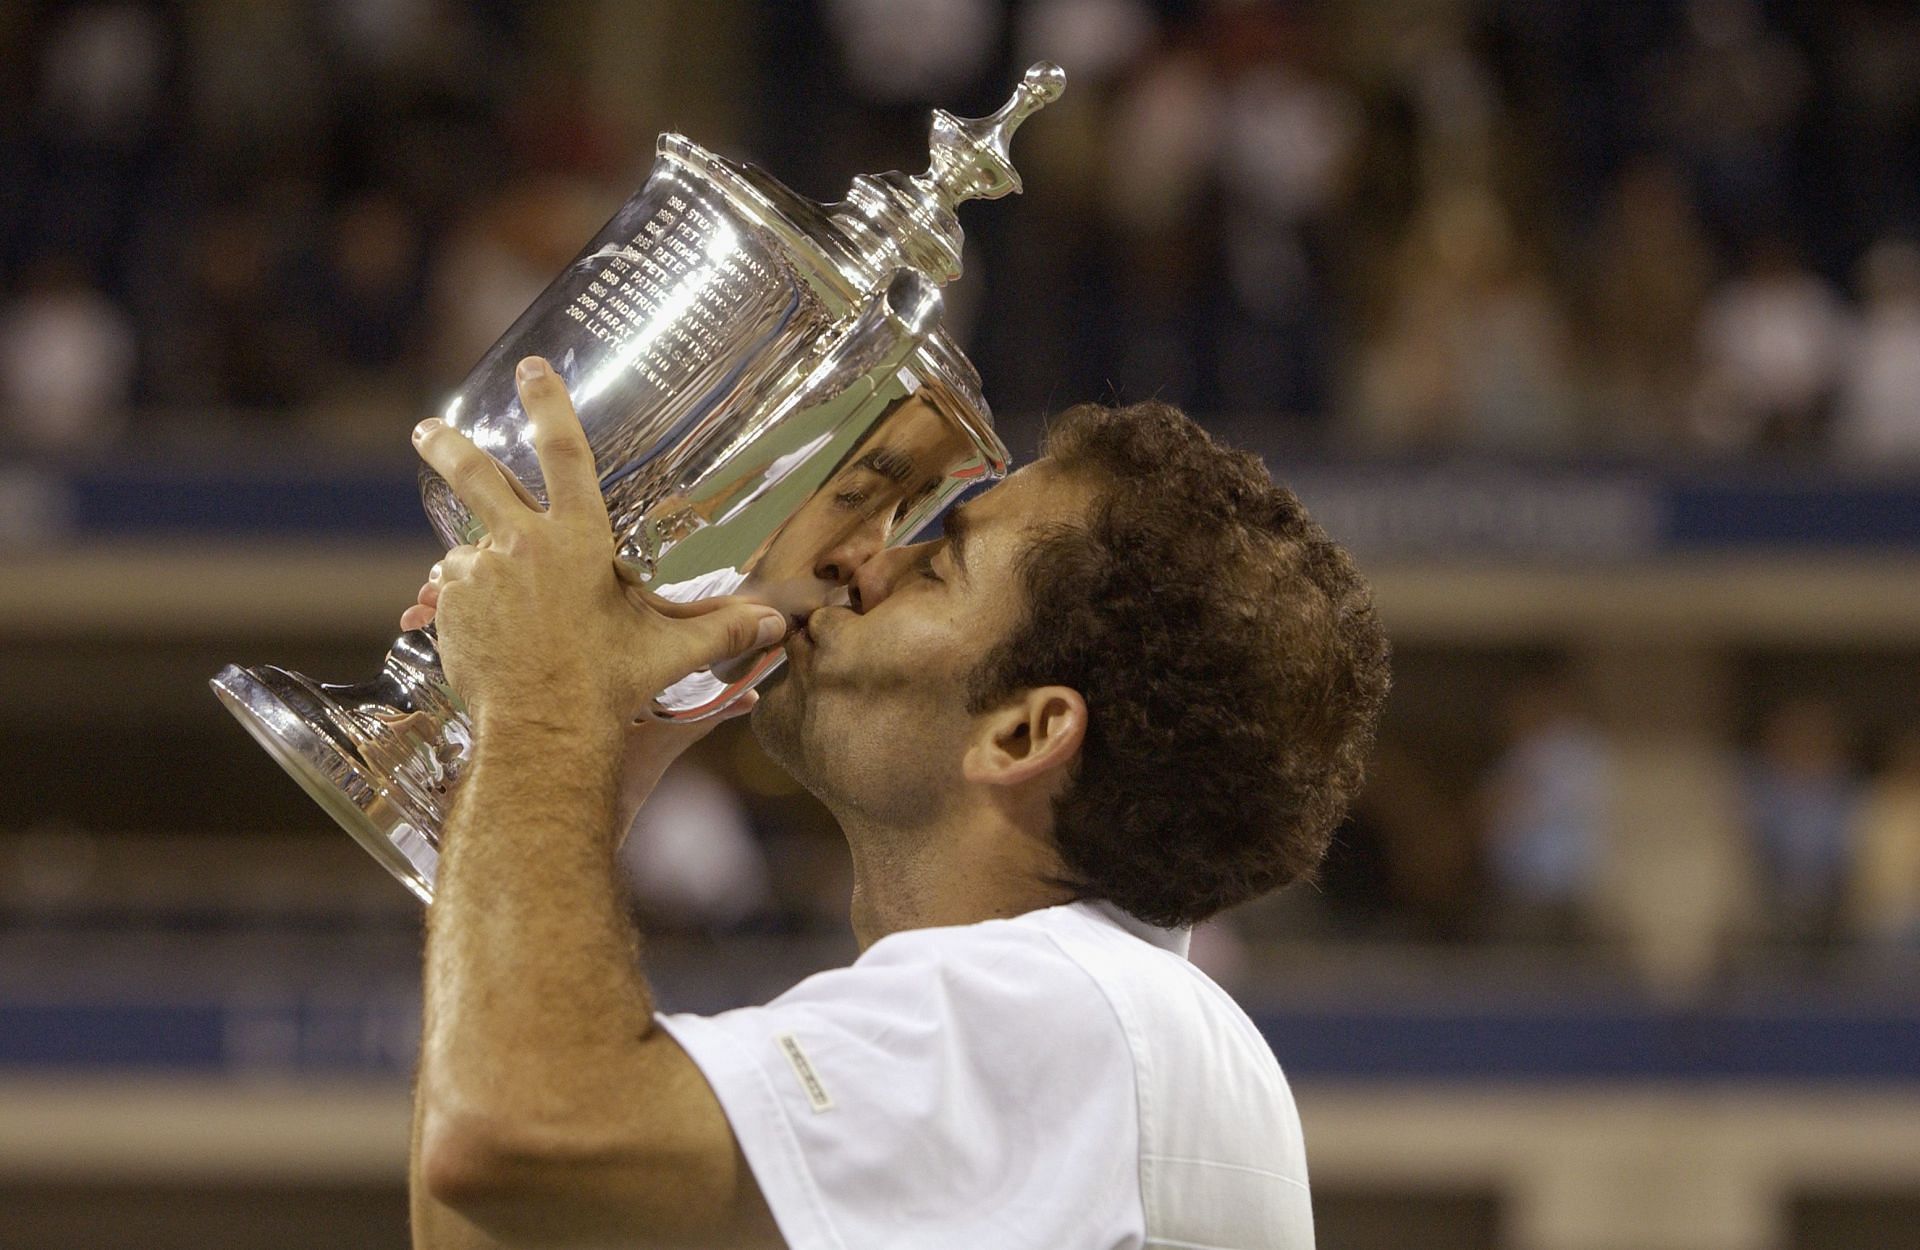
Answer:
[(894, 220), (970, 159)]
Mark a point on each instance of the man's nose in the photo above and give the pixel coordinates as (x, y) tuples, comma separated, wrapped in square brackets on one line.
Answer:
[(878, 576)]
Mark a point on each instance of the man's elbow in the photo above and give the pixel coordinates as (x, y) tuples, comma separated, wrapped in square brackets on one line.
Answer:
[(526, 1187), (466, 1164), (557, 1189)]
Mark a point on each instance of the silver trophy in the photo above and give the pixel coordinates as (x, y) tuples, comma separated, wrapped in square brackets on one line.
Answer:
[(769, 398)]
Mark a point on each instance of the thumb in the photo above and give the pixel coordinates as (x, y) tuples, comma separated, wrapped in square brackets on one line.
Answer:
[(731, 630)]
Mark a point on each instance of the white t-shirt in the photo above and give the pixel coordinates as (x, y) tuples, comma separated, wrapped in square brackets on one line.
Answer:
[(1060, 1080)]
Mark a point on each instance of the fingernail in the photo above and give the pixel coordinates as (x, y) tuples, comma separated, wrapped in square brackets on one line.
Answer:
[(772, 630), (532, 369), (425, 428), (433, 574)]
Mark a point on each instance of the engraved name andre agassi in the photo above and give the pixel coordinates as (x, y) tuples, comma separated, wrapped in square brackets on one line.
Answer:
[(810, 1082)]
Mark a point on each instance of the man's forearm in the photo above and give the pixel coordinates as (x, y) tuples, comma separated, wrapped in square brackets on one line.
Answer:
[(533, 1000), (552, 1111)]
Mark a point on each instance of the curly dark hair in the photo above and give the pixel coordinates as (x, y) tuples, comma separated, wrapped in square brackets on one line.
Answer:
[(1229, 656)]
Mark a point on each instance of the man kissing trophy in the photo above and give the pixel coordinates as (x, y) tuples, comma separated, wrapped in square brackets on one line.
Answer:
[(765, 386)]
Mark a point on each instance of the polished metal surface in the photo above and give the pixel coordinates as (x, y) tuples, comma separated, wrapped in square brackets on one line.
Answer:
[(770, 400)]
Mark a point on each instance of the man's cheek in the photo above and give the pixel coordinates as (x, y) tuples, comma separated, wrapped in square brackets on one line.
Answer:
[(932, 657)]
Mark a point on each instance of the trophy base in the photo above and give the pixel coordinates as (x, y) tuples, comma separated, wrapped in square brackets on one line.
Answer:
[(384, 778), (382, 757)]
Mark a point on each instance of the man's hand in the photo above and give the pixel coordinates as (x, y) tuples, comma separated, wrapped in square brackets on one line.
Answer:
[(651, 745), (535, 623)]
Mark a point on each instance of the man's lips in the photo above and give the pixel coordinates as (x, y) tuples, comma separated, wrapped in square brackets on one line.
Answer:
[(809, 632)]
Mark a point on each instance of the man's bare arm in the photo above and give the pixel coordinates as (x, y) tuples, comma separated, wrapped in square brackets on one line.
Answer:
[(552, 1110)]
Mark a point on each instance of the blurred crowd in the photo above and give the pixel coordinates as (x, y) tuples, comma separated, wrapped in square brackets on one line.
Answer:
[(1651, 228), (1819, 811), (268, 214), (1671, 227)]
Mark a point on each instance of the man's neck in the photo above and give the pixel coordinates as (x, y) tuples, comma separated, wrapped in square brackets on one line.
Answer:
[(961, 872)]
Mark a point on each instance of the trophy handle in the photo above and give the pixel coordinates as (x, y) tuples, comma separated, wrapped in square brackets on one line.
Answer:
[(889, 328)]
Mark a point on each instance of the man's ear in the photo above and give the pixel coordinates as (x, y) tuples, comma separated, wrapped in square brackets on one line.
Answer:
[(1036, 733)]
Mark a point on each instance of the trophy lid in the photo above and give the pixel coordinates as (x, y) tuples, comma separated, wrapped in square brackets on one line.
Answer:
[(969, 158), (892, 221), (895, 220)]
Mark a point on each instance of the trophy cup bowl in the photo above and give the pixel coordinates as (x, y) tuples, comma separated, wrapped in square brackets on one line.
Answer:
[(769, 399)]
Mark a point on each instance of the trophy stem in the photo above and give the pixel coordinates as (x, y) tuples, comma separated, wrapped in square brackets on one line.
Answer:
[(382, 757)]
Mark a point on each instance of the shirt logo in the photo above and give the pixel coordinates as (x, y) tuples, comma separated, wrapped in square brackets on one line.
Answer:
[(817, 1096)]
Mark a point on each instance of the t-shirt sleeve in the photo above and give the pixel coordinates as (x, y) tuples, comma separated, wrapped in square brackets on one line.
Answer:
[(953, 1088)]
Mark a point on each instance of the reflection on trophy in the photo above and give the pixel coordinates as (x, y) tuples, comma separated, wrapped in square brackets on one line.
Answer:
[(769, 398)]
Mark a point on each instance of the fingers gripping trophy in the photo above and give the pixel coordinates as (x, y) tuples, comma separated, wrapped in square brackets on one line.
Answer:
[(768, 395)]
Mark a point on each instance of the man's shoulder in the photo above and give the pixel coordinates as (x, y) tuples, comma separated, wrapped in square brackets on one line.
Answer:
[(951, 1086), (1074, 941), (1021, 957), (1078, 973), (1127, 958), (1176, 1019), (1035, 973), (1076, 958)]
